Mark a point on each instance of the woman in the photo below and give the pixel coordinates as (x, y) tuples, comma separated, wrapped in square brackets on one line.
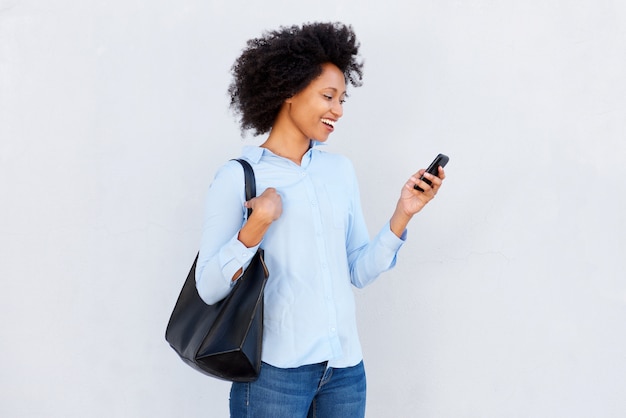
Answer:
[(291, 85)]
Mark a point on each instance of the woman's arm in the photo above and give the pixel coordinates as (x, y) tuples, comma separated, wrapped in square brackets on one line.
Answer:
[(266, 208), (367, 258), (411, 201), (221, 252)]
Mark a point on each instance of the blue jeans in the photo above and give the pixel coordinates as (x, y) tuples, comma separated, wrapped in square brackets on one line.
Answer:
[(312, 391)]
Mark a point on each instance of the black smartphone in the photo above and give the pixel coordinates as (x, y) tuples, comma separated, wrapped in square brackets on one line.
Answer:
[(433, 168)]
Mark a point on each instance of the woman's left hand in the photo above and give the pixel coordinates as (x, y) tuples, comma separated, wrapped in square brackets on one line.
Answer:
[(412, 200)]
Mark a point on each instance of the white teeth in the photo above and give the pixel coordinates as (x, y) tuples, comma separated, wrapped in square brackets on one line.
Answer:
[(329, 122)]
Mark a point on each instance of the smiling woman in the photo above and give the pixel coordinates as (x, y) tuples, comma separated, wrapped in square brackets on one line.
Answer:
[(308, 115), (288, 59), (291, 85)]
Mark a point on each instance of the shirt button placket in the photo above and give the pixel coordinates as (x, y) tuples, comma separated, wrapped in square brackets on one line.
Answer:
[(327, 286)]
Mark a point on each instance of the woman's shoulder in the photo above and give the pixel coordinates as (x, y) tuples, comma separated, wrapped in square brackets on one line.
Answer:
[(330, 156), (338, 161), (230, 171)]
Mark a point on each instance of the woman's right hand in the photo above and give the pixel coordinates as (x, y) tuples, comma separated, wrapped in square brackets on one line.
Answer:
[(267, 207)]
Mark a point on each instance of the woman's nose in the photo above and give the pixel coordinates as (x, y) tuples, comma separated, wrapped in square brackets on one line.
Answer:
[(337, 108)]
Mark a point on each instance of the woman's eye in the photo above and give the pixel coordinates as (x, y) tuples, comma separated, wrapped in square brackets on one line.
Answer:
[(331, 98)]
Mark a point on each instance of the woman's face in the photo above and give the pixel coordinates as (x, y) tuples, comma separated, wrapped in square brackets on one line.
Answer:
[(314, 111)]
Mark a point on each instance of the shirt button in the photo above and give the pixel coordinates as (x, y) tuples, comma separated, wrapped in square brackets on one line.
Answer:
[(333, 330)]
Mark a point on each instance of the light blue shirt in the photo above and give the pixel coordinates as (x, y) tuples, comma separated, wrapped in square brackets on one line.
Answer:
[(315, 252)]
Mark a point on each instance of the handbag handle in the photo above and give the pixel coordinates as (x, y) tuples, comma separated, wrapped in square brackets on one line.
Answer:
[(250, 181)]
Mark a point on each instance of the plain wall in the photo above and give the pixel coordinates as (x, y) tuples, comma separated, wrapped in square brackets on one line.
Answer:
[(509, 297)]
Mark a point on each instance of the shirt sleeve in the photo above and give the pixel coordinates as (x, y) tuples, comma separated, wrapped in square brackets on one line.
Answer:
[(369, 258), (221, 254)]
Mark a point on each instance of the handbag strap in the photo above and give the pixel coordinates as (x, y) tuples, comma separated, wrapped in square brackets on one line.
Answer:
[(250, 181)]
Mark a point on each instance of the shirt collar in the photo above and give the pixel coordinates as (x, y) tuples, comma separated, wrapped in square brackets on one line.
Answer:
[(253, 153)]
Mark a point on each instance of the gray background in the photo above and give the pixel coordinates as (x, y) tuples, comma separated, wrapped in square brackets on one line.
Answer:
[(509, 297)]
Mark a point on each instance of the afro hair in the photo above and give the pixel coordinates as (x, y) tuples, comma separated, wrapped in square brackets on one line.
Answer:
[(283, 62)]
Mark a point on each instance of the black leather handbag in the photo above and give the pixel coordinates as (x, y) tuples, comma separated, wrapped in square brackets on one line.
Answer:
[(223, 340)]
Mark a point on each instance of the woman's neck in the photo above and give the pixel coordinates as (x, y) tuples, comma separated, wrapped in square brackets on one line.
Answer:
[(292, 149)]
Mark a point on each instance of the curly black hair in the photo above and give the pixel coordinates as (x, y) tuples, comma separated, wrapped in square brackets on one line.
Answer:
[(283, 62)]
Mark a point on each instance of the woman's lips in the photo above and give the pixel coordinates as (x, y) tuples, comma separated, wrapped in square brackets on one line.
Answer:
[(329, 122)]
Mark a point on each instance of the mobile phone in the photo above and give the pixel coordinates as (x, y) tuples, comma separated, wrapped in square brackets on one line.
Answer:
[(433, 168)]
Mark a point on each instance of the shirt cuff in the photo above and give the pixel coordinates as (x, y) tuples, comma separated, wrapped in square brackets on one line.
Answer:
[(390, 240), (234, 256)]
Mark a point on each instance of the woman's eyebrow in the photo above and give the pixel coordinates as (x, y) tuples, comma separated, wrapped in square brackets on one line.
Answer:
[(335, 89)]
